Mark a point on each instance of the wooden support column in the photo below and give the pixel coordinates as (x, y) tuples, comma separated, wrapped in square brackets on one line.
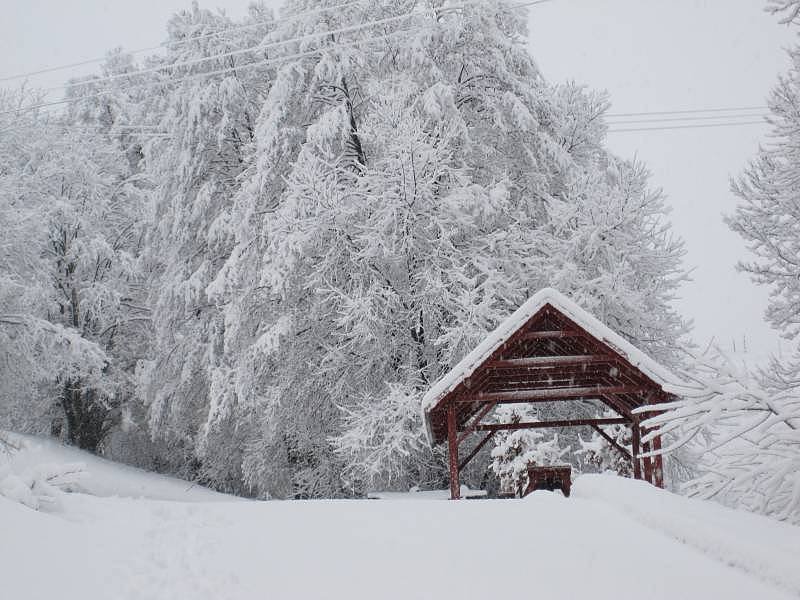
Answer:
[(635, 437), (452, 443), (658, 474), (648, 464)]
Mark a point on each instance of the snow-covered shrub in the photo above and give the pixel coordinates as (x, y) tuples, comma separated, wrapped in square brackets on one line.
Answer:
[(38, 486), (598, 455), (381, 441)]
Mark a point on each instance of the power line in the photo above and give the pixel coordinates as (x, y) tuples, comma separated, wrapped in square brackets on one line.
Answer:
[(686, 112), (684, 119), (695, 126), (176, 43), (524, 4), (206, 74), (181, 42), (248, 65), (196, 61)]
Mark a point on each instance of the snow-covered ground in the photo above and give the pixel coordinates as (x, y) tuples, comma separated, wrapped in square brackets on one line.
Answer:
[(148, 537)]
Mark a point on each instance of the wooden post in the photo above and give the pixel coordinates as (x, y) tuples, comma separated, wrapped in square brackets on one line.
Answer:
[(648, 464), (635, 436), (658, 475), (452, 443)]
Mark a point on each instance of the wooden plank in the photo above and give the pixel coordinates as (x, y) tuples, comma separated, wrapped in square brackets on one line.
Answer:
[(613, 442), (475, 450), (549, 335), (550, 361), (477, 419), (548, 394), (452, 441), (617, 405), (544, 424)]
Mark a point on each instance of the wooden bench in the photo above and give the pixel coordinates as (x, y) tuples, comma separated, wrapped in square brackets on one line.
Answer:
[(549, 478)]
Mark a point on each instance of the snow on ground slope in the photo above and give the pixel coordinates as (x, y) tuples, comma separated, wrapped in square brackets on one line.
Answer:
[(614, 539), (768, 549), (97, 476)]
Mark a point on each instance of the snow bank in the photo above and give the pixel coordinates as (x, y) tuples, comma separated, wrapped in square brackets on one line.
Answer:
[(545, 546), (73, 470), (763, 547)]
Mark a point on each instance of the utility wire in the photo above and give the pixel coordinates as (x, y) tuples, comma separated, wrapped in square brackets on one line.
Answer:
[(695, 126), (176, 43), (170, 44), (686, 112), (685, 119), (246, 65), (208, 73), (259, 48)]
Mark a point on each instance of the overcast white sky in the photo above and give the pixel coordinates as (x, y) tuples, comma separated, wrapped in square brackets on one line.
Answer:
[(651, 55)]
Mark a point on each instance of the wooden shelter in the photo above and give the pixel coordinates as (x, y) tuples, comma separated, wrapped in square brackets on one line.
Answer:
[(549, 350)]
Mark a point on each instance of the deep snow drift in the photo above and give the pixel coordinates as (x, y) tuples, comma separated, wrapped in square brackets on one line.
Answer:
[(614, 538)]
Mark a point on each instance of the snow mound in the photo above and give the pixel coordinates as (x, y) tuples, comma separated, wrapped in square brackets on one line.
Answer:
[(758, 545), (613, 539), (34, 470)]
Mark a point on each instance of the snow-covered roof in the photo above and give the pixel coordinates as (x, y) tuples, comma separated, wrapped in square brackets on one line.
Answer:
[(659, 374)]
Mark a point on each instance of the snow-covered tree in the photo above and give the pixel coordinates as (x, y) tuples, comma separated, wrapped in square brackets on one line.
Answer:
[(789, 10), (205, 124), (748, 419), (406, 194), (66, 266), (768, 215)]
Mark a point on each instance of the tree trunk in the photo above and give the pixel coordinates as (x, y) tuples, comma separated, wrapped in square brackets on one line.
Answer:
[(85, 418)]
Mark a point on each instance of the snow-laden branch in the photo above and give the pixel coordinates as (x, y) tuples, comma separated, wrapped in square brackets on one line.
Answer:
[(749, 422)]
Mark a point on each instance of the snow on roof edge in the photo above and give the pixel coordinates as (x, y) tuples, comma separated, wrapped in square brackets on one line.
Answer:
[(467, 365)]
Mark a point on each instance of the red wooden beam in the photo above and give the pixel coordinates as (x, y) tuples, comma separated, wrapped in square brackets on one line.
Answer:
[(452, 442), (613, 442), (471, 427), (549, 335), (550, 361), (543, 424), (617, 405), (548, 394), (475, 450)]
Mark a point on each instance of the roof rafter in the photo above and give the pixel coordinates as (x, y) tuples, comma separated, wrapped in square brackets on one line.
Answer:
[(549, 394)]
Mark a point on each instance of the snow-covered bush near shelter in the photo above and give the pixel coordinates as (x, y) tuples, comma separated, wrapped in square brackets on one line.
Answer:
[(597, 454)]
